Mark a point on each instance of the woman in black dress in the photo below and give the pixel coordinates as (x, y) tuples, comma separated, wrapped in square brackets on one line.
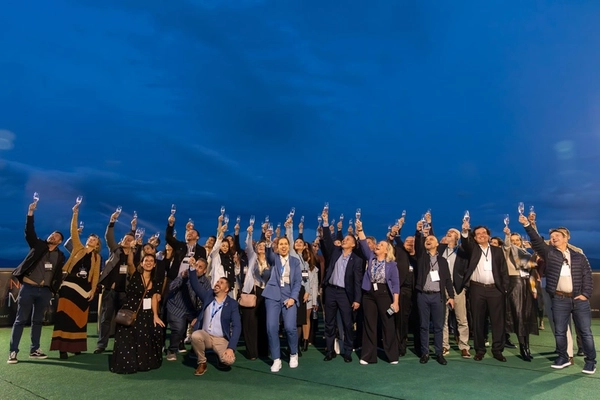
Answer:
[(139, 347)]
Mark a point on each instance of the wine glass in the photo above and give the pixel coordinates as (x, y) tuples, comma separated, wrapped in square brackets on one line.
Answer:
[(119, 209), (173, 209), (358, 214), (326, 207), (225, 219), (143, 231), (531, 210), (191, 221), (320, 219), (279, 225), (403, 214), (135, 215), (80, 224), (467, 216), (292, 212), (270, 228), (341, 217), (237, 220), (302, 219), (350, 222), (267, 219), (332, 222), (252, 219), (222, 210), (157, 235), (506, 219), (138, 233), (36, 197), (521, 208), (79, 199)]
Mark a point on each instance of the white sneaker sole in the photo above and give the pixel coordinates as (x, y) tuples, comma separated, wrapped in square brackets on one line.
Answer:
[(561, 366), (589, 372)]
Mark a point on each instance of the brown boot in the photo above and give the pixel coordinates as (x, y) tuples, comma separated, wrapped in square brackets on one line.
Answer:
[(201, 369)]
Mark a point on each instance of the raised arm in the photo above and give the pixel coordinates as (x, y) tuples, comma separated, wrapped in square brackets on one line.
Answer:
[(109, 235), (30, 235), (537, 243), (74, 229)]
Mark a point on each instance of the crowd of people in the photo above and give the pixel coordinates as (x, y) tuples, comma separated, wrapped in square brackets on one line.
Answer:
[(372, 294)]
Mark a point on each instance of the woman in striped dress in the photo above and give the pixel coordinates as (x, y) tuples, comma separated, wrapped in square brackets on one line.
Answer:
[(75, 293)]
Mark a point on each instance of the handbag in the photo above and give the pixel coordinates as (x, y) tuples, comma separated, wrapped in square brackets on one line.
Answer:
[(247, 300), (127, 317)]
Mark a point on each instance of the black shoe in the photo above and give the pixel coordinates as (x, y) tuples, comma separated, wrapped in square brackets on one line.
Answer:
[(424, 358), (523, 349), (305, 345), (509, 344), (347, 358), (330, 356), (64, 355), (500, 357), (580, 353), (99, 351), (77, 353), (441, 360)]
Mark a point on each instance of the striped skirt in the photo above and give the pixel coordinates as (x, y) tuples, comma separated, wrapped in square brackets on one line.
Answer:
[(70, 321)]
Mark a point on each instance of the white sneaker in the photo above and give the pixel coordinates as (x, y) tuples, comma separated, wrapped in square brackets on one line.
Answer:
[(12, 358), (294, 361), (276, 365), (363, 362), (336, 346)]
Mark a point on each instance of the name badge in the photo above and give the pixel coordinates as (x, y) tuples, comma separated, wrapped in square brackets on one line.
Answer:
[(375, 287), (48, 266), (305, 274), (523, 273), (487, 265), (123, 269), (565, 270), (147, 304), (435, 276), (282, 283)]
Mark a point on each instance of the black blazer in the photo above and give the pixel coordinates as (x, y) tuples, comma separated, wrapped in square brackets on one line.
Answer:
[(403, 261), (460, 266), (179, 252), (423, 269), (499, 267), (37, 249), (354, 269)]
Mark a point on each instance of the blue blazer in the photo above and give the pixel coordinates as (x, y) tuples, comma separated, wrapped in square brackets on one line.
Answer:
[(273, 289), (230, 314), (391, 271)]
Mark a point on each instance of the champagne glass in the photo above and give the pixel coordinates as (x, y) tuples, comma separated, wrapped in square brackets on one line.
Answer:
[(531, 210), (302, 219), (270, 228), (237, 220), (467, 216), (326, 207), (358, 214), (403, 214), (173, 209), (292, 212), (279, 225), (267, 219), (81, 225), (157, 235), (341, 217), (521, 208), (119, 209), (191, 221), (506, 219), (252, 219), (135, 215), (350, 222), (138, 233), (320, 219), (79, 199), (36, 197), (332, 222), (225, 219), (222, 210)]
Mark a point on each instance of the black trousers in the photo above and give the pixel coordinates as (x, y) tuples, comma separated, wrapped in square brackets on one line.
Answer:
[(254, 327), (112, 301), (402, 318), (337, 299), (375, 304), (487, 301)]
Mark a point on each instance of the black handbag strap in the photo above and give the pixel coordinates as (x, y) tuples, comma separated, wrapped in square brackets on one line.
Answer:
[(144, 295)]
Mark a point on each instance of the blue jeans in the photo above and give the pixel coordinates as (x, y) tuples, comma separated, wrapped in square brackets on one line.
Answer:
[(31, 298), (562, 308), (178, 327), (431, 308)]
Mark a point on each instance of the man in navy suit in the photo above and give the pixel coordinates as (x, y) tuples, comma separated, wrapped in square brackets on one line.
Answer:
[(343, 277), (218, 325)]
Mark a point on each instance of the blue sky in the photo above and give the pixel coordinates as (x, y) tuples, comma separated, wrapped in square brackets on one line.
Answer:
[(265, 105)]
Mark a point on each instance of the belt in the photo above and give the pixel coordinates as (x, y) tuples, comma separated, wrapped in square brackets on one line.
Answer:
[(429, 291), (336, 287), (482, 284), (563, 294)]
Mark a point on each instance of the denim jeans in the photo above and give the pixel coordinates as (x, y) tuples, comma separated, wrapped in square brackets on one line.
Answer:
[(31, 298), (562, 308)]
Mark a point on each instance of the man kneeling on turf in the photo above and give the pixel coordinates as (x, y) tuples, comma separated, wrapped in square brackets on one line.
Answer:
[(218, 325)]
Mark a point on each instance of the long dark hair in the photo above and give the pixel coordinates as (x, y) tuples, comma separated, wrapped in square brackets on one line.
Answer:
[(309, 256)]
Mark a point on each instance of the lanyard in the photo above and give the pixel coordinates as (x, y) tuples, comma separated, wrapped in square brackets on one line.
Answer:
[(446, 255), (214, 311), (432, 265), (282, 268), (486, 253), (377, 265)]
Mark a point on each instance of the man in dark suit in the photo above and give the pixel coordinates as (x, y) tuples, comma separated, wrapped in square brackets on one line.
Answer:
[(183, 250), (40, 275), (487, 277), (218, 325), (342, 291)]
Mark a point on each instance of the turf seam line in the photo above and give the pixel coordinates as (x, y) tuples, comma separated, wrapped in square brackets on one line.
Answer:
[(23, 388), (322, 384)]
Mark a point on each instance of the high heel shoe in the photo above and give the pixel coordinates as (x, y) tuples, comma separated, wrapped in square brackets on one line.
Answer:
[(523, 350), (305, 345)]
